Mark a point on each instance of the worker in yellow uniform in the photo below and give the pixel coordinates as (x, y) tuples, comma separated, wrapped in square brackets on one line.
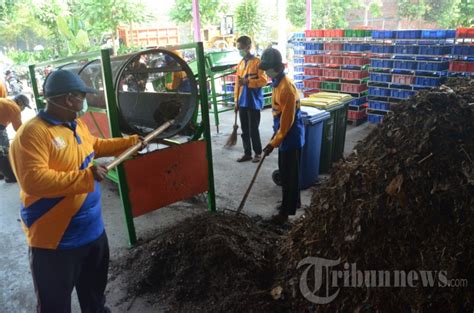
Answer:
[(3, 89), (288, 132), (60, 212), (10, 113), (248, 97)]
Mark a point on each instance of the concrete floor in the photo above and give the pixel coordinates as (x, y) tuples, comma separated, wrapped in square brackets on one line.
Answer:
[(231, 180)]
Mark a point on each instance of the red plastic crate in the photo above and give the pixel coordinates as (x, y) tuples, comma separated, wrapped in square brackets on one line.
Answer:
[(331, 73), (312, 83), (356, 115), (354, 74), (333, 33), (458, 66), (332, 59), (309, 92), (353, 88), (403, 79), (463, 32), (314, 33), (333, 46), (313, 59), (356, 61), (313, 71)]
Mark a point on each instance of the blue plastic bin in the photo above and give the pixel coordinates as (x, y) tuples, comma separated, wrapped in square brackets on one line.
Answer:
[(405, 65), (427, 81), (435, 50), (406, 49), (408, 34), (380, 77), (383, 34), (379, 92), (311, 153), (374, 118)]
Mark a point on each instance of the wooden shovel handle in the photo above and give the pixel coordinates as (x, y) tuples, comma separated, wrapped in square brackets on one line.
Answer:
[(134, 149)]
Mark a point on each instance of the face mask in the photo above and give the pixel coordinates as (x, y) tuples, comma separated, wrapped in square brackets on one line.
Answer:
[(78, 113), (84, 108), (271, 73), (242, 53)]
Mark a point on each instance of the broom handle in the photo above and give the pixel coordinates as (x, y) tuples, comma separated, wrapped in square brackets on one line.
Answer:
[(132, 150), (242, 203), (235, 121)]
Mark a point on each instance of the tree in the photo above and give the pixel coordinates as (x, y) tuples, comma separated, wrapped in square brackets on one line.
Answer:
[(325, 14), (46, 14), (19, 25), (248, 18), (209, 11), (371, 7), (450, 13), (411, 9), (106, 15)]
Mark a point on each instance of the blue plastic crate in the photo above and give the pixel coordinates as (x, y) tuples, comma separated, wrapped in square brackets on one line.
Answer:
[(299, 69), (383, 34), (379, 105), (229, 88), (463, 50), (381, 63), (435, 34), (298, 77), (374, 118), (406, 49), (427, 81), (433, 66), (380, 77), (359, 101), (408, 34), (451, 33), (405, 65), (299, 85), (435, 50), (402, 94), (379, 92)]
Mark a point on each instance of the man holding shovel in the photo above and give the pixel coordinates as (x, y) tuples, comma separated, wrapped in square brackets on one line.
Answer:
[(61, 216), (289, 132), (249, 99)]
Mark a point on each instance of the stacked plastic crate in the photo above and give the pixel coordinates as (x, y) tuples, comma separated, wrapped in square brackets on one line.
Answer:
[(337, 61), (298, 59), (462, 62), (354, 72), (403, 62)]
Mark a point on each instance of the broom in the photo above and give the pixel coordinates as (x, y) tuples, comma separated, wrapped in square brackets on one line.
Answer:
[(232, 140)]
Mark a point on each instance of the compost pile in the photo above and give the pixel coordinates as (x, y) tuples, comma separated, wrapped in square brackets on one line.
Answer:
[(403, 201), (208, 263)]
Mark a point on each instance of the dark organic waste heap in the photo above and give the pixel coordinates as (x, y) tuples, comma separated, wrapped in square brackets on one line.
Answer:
[(404, 201)]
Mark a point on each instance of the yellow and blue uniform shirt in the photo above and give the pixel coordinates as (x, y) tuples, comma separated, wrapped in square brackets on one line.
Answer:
[(250, 95), (10, 113), (3, 90), (287, 120), (60, 200)]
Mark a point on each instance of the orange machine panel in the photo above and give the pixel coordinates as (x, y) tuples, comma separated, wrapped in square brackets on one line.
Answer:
[(166, 176), (98, 124)]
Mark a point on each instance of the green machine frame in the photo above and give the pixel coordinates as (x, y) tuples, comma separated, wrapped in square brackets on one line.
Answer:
[(202, 131)]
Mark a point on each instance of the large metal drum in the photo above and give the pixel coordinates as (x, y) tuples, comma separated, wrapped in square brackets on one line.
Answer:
[(151, 87)]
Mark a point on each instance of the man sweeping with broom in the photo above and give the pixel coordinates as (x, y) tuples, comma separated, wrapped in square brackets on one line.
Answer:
[(248, 101)]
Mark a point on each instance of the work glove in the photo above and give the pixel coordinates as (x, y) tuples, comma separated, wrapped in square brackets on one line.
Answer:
[(268, 149)]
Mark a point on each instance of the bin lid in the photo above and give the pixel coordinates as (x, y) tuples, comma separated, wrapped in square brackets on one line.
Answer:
[(330, 95), (313, 115), (322, 103)]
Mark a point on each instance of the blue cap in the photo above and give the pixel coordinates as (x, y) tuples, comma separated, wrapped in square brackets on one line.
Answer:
[(61, 82)]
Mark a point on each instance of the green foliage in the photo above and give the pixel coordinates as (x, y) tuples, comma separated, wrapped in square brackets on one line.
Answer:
[(325, 13), (106, 15), (27, 57), (6, 8), (209, 10), (412, 9), (73, 31), (450, 13), (248, 19)]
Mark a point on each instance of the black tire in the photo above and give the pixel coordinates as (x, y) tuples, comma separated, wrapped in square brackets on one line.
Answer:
[(276, 177)]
